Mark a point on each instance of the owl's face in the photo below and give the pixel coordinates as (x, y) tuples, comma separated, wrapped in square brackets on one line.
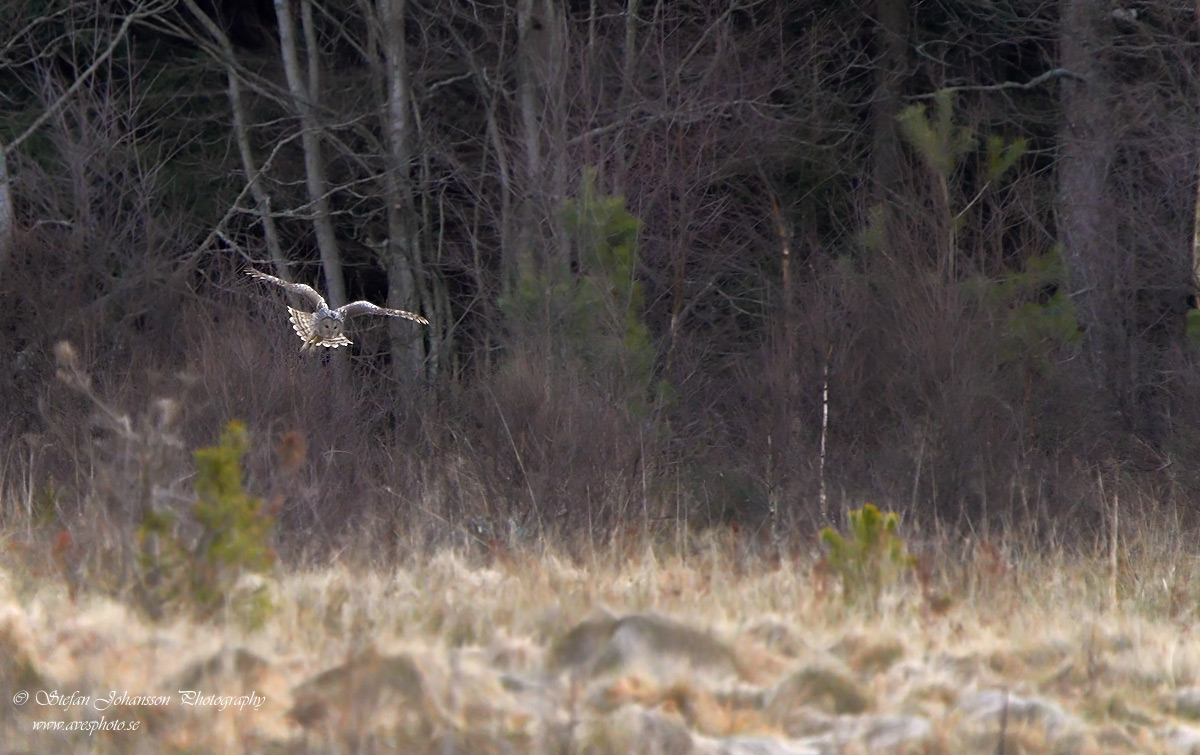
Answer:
[(329, 327)]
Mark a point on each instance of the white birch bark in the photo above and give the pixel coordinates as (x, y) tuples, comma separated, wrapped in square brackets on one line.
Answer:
[(314, 168)]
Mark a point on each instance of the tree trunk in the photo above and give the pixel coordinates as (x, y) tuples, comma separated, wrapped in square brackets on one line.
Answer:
[(628, 72), (1125, 208), (262, 198), (891, 41), (1086, 143), (314, 167), (6, 216), (404, 249), (540, 70), (1195, 281)]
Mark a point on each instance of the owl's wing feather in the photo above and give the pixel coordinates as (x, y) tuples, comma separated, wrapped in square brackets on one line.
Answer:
[(302, 323), (367, 308), (296, 288)]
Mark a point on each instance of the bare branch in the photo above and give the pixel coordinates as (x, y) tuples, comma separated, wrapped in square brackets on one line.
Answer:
[(1036, 81), (159, 6)]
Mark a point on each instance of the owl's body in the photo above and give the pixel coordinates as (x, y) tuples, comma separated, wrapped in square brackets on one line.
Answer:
[(326, 327), (320, 328)]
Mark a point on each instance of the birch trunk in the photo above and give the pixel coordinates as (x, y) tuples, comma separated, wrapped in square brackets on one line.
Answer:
[(262, 198), (314, 169)]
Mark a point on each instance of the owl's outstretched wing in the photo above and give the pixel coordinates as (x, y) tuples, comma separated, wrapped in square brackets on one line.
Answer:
[(367, 308), (296, 288)]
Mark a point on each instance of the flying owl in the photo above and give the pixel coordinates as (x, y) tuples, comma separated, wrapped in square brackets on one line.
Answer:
[(326, 326)]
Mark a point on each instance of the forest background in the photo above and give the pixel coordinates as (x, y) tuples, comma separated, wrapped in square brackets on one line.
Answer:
[(744, 263)]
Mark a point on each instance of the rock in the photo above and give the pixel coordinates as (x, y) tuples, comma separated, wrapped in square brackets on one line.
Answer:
[(1187, 702), (994, 708), (824, 688), (18, 651), (1183, 739), (752, 746), (777, 636), (653, 644), (890, 733), (354, 692), (875, 733), (631, 728), (240, 663)]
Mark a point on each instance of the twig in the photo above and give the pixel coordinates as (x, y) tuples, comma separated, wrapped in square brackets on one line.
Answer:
[(517, 453), (1054, 73), (12, 146)]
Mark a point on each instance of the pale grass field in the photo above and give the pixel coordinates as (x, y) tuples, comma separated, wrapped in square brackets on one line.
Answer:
[(702, 648)]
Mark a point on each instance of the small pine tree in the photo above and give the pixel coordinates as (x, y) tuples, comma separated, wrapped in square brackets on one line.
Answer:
[(1038, 316), (872, 557), (594, 311), (234, 537)]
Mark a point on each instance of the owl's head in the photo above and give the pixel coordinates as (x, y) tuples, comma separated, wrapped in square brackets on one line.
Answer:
[(330, 326)]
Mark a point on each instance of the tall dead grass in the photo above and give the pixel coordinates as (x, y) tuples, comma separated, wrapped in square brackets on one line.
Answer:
[(543, 649)]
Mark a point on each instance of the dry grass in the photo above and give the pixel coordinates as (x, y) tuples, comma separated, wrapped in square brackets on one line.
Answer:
[(635, 648), (444, 622)]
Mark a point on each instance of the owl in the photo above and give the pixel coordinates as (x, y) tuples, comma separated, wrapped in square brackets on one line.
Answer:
[(326, 326)]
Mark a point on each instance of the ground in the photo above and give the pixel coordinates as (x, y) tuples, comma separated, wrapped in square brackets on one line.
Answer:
[(696, 648)]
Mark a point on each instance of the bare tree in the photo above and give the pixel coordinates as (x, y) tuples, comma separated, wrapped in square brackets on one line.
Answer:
[(541, 77), (891, 70), (1125, 212), (1087, 144), (241, 129), (6, 215), (140, 11), (305, 102), (402, 252)]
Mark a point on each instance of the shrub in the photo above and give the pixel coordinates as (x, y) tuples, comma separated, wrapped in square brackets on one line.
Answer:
[(594, 313), (233, 537), (1040, 322), (871, 557)]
